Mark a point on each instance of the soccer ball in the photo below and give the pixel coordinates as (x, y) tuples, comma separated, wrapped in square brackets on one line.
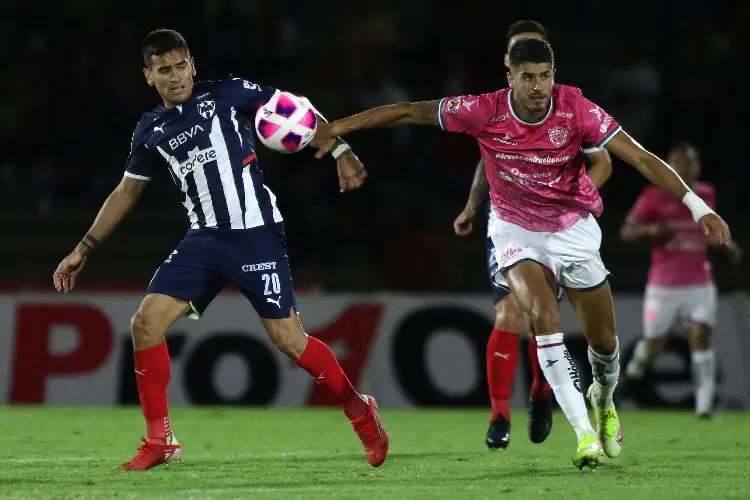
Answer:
[(286, 123)]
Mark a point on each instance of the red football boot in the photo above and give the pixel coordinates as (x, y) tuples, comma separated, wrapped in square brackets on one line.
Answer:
[(371, 432), (152, 453)]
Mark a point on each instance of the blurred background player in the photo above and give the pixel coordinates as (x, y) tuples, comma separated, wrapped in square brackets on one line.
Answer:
[(530, 138), (202, 133), (680, 281), (502, 346)]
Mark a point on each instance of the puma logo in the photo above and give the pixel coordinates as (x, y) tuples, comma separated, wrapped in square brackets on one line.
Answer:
[(272, 301), (551, 362)]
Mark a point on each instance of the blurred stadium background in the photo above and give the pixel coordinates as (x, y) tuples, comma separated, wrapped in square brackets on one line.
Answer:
[(381, 275)]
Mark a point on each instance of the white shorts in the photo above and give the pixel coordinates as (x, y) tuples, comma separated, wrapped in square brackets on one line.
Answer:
[(664, 306), (572, 255)]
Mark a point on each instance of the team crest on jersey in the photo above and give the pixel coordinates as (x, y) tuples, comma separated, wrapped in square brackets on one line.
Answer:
[(207, 109), (452, 105), (558, 136)]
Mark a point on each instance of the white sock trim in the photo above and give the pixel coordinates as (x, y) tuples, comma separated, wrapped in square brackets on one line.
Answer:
[(607, 357), (549, 340)]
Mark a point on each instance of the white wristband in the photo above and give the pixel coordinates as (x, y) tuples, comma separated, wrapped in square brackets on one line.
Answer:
[(340, 150), (696, 205)]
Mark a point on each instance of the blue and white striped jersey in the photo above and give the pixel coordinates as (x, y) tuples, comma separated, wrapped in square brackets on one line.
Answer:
[(207, 143)]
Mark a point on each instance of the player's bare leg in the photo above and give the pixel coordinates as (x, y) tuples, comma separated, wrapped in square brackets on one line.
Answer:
[(645, 351), (148, 328), (502, 359), (317, 359), (595, 310), (533, 287), (704, 369)]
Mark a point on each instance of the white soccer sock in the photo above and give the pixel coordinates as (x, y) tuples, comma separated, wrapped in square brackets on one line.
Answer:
[(704, 378), (606, 371), (562, 375), (639, 362)]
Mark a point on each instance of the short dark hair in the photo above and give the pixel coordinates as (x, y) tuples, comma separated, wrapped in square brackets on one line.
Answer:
[(161, 41), (531, 50), (525, 26)]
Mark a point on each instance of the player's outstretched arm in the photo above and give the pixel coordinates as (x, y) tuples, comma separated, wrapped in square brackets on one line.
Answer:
[(405, 113), (661, 174), (480, 189), (118, 204), (350, 169), (632, 231), (601, 167)]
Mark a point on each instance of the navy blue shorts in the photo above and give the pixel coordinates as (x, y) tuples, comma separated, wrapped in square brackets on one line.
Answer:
[(206, 260)]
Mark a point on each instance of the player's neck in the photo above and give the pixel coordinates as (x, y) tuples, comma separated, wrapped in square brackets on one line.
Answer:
[(523, 113)]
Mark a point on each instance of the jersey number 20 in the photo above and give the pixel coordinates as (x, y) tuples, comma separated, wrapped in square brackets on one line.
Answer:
[(271, 282)]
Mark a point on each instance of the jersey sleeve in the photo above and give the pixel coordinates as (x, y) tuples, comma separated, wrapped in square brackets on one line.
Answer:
[(141, 161), (597, 127), (644, 210), (467, 114), (249, 96), (588, 148)]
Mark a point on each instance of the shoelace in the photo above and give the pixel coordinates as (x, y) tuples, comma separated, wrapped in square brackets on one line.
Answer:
[(145, 451), (368, 428)]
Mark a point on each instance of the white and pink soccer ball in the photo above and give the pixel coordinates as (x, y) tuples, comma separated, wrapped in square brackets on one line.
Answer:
[(286, 123)]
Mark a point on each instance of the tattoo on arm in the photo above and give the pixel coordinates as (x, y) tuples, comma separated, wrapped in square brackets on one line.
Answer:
[(427, 112), (480, 186)]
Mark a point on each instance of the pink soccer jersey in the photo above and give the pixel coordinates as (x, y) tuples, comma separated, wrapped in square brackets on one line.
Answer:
[(536, 171), (681, 259)]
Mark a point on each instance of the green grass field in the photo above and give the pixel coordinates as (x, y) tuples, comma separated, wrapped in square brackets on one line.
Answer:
[(285, 454)]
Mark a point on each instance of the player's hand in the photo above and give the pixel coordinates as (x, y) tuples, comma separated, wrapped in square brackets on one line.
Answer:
[(352, 173), (324, 140), (64, 277), (715, 229), (464, 222)]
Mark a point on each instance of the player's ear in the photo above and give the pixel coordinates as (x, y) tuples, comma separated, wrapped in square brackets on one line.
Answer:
[(506, 60), (147, 74), (192, 64)]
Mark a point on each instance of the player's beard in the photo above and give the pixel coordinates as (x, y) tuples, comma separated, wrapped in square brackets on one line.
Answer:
[(537, 103)]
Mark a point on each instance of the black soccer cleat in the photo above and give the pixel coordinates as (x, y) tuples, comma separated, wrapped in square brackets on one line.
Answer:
[(540, 419), (498, 434)]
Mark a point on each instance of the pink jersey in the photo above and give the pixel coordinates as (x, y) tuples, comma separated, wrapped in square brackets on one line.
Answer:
[(536, 171), (682, 258)]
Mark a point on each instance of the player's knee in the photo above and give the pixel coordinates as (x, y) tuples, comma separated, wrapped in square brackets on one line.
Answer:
[(144, 327), (507, 318)]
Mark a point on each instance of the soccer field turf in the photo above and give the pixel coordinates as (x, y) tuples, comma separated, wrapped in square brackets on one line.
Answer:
[(52, 452)]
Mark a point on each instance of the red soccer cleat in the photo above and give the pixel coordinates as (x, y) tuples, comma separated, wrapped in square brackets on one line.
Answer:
[(371, 432), (151, 454)]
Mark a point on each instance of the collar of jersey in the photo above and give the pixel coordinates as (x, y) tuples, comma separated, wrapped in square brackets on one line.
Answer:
[(518, 118)]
